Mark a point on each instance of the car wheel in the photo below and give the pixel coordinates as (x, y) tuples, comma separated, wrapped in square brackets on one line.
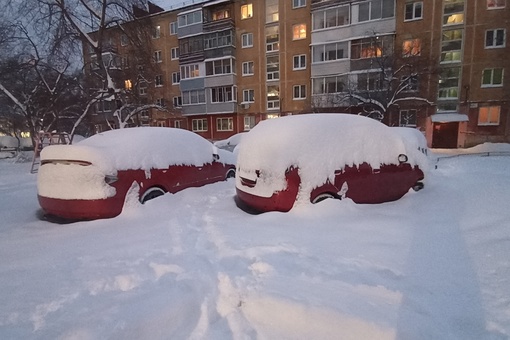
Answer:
[(151, 193), (418, 186), (231, 174), (322, 197)]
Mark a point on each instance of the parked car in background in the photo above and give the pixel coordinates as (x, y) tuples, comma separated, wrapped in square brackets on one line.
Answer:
[(91, 179), (308, 158)]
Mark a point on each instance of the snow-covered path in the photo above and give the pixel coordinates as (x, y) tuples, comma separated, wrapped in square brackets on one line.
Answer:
[(433, 265)]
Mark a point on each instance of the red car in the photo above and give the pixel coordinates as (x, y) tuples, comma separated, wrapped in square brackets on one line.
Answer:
[(308, 158), (92, 178)]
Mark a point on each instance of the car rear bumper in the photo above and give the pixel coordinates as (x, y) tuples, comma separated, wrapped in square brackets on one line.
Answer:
[(81, 209)]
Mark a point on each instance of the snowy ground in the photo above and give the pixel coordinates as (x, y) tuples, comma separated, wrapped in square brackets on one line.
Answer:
[(433, 265)]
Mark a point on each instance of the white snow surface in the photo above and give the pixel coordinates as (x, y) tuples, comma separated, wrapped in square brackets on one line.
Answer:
[(137, 148), (191, 265), (319, 144)]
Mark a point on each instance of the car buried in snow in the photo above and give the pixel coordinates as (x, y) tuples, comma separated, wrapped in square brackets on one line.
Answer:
[(92, 178), (312, 157)]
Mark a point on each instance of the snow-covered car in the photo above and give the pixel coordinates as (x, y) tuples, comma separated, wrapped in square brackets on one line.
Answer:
[(92, 178), (308, 158)]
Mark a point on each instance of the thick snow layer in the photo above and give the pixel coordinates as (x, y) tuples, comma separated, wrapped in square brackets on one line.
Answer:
[(319, 144), (136, 148), (191, 265)]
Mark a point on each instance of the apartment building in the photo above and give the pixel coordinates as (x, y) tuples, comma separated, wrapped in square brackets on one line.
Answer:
[(436, 65)]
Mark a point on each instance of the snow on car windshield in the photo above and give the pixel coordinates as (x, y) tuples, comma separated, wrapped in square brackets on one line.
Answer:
[(136, 148), (319, 144)]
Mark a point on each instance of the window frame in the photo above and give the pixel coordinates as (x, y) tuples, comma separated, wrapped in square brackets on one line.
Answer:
[(415, 44), (301, 92), (495, 37), (176, 78), (158, 56), (495, 6), (246, 67), (248, 8), (172, 27), (199, 125), (492, 73), (248, 96), (174, 53), (301, 62), (407, 113), (248, 38), (298, 4), (156, 32), (249, 122), (489, 122), (299, 29), (158, 80), (220, 124), (413, 11)]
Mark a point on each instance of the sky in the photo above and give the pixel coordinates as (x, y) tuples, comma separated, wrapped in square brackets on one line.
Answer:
[(191, 265)]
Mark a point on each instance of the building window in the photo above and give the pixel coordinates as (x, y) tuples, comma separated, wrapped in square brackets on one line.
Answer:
[(221, 14), (173, 28), (272, 39), (247, 11), (124, 40), (190, 71), (375, 9), (247, 40), (222, 94), (298, 3), (193, 97), (142, 88), (495, 4), (409, 83), (407, 118), (249, 122), (248, 68), (366, 48), (298, 32), (489, 115), (189, 19), (451, 46), (492, 77), (370, 81), (160, 102), (248, 96), (453, 12), (449, 83), (273, 97), (159, 81), (176, 78), (329, 85), (156, 32), (299, 62), (272, 11), (330, 52), (495, 38), (177, 124), (128, 85), (224, 124), (414, 11), (411, 48), (218, 39), (158, 57), (273, 67), (174, 53), (199, 125), (332, 17), (177, 101), (299, 92), (221, 66)]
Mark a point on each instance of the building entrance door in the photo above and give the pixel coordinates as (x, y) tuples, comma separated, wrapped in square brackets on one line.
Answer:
[(445, 135)]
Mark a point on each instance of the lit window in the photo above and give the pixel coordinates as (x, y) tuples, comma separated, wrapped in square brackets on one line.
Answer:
[(128, 85), (299, 62), (224, 124), (411, 47), (156, 32), (492, 4), (414, 11), (272, 38), (273, 97), (489, 115), (248, 68), (495, 38), (299, 92), (451, 46), (247, 40), (246, 11), (453, 12), (272, 11), (221, 14), (492, 77), (299, 31), (366, 48)]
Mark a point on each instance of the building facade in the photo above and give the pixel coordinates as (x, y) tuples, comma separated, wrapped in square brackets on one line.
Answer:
[(436, 65)]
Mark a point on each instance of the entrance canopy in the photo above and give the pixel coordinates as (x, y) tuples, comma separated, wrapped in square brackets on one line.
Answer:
[(448, 118)]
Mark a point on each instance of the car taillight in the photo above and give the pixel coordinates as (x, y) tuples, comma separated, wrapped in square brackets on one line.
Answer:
[(65, 162), (109, 179)]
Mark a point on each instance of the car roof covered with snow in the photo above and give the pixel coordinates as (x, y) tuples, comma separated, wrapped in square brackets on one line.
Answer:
[(137, 148), (319, 144)]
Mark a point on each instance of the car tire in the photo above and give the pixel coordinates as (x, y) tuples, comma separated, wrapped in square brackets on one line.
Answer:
[(418, 186), (231, 174), (322, 197), (151, 193)]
